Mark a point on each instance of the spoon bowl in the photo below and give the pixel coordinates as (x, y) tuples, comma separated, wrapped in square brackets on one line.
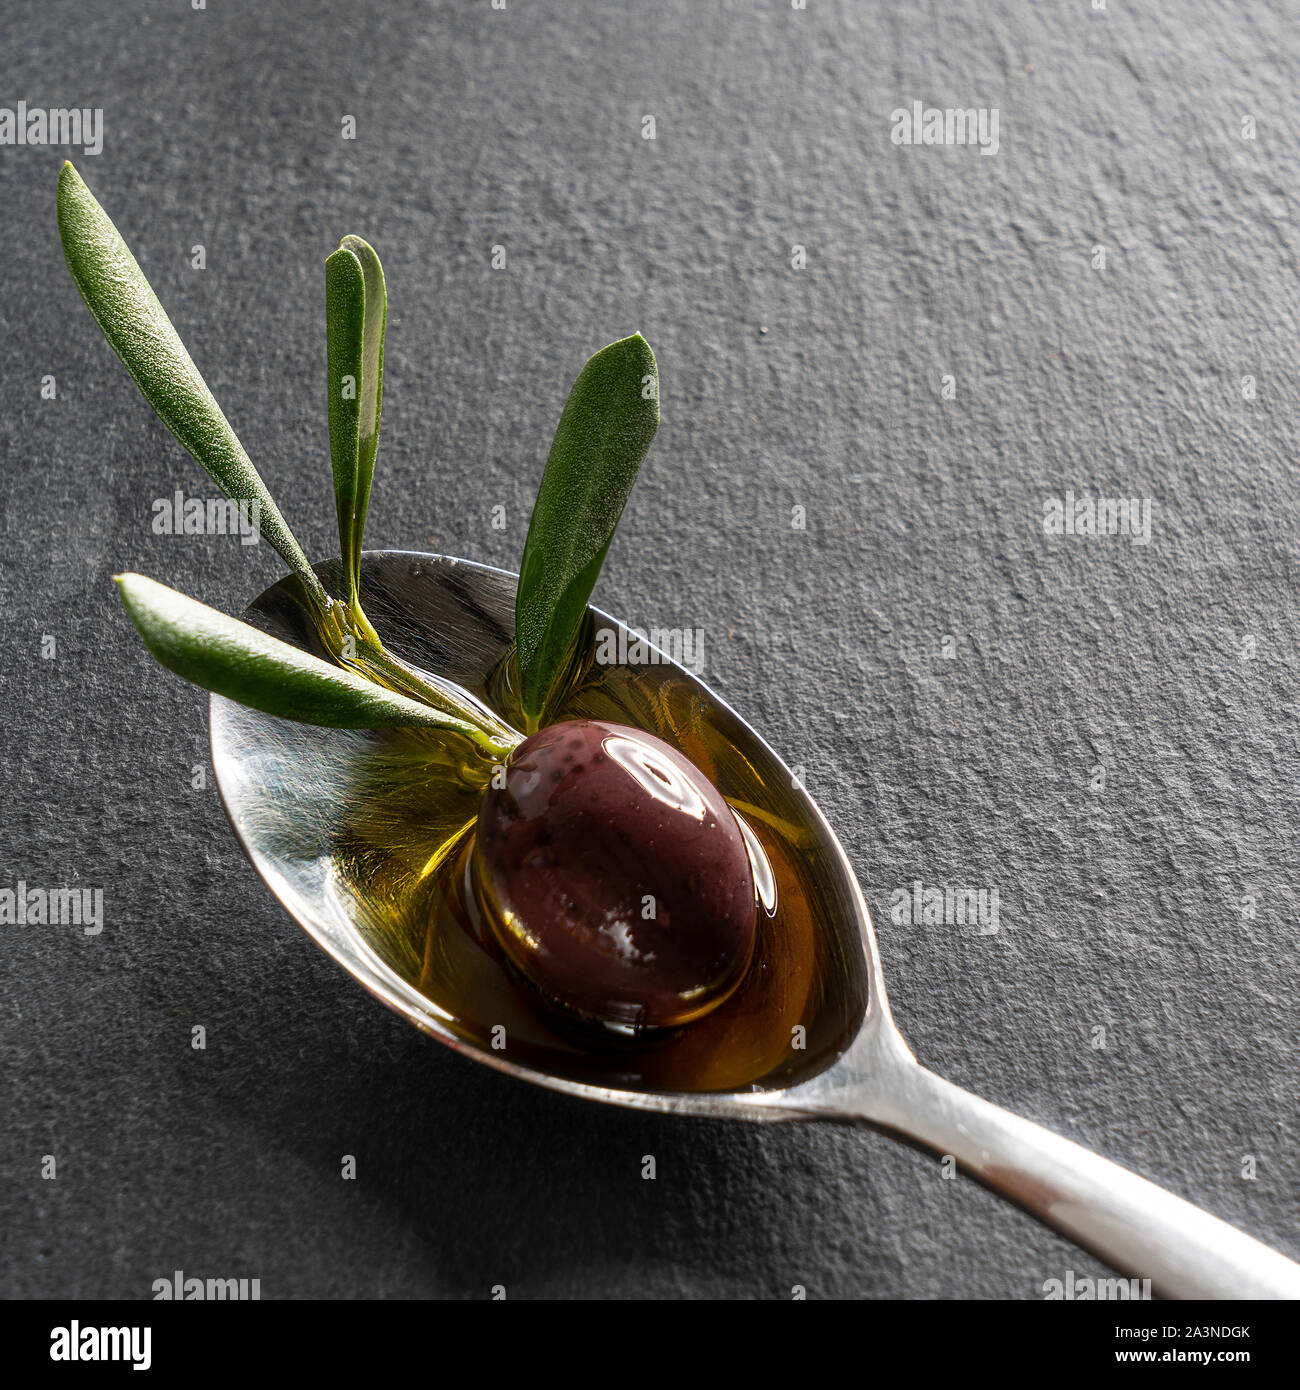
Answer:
[(817, 1040)]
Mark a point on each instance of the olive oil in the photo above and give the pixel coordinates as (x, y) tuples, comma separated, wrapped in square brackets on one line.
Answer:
[(404, 855)]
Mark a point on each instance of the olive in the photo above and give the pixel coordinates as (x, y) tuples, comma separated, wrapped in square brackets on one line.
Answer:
[(615, 876)]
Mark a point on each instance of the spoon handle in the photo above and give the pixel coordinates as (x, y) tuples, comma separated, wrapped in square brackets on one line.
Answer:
[(1135, 1226)]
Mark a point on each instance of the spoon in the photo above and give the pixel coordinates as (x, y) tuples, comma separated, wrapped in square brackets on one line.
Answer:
[(289, 788)]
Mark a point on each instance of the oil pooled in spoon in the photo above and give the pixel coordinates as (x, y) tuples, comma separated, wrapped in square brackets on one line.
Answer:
[(402, 852)]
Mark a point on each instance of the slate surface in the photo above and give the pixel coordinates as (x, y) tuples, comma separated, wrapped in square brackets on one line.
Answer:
[(1170, 666)]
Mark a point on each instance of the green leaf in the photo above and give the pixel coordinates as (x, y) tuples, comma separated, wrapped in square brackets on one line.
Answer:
[(608, 422), (129, 315), (235, 660), (356, 315)]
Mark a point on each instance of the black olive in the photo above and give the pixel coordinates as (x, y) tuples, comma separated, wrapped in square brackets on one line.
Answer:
[(615, 876)]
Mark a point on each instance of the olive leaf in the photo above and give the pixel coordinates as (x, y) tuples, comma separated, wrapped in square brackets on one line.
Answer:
[(128, 313), (606, 427), (356, 314), (229, 657)]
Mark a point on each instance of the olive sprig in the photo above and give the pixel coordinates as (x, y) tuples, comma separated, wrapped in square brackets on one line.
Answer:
[(128, 312), (608, 421), (356, 316)]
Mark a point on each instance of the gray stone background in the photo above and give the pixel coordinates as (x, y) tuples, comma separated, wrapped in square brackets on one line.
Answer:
[(1171, 666)]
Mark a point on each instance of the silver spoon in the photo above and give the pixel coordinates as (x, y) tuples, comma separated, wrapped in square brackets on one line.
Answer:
[(290, 789)]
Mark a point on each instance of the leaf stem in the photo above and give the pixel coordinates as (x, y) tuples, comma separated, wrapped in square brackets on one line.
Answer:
[(368, 656)]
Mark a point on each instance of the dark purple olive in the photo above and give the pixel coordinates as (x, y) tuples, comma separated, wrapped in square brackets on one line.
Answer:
[(615, 876)]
